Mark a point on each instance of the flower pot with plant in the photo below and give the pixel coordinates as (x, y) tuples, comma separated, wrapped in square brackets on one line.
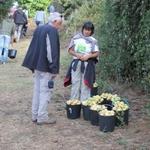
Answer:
[(107, 120), (73, 108)]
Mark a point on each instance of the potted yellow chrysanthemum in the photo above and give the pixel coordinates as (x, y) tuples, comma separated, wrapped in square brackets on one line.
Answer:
[(73, 108)]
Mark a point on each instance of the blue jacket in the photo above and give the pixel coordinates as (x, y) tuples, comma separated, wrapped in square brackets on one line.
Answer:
[(36, 57)]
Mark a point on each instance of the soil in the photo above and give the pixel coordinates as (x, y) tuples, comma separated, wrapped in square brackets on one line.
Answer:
[(18, 132)]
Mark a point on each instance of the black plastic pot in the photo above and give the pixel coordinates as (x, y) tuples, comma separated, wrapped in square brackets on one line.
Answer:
[(107, 123), (94, 118), (107, 102), (12, 53), (94, 91), (122, 118), (86, 112), (73, 111), (109, 106)]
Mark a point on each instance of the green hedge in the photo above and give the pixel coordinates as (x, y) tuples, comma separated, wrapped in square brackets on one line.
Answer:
[(34, 5), (4, 7), (125, 41)]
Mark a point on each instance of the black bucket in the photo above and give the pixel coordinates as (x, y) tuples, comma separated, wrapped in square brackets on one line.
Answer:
[(86, 112), (109, 106), (73, 111), (94, 118), (94, 91), (12, 53), (107, 123), (107, 102), (122, 118)]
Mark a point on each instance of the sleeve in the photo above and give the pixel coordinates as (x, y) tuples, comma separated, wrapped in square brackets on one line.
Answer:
[(55, 52), (71, 44), (25, 18), (49, 51), (95, 46)]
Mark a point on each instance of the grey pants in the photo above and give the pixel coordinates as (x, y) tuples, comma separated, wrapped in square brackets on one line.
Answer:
[(79, 90), (18, 31), (41, 96)]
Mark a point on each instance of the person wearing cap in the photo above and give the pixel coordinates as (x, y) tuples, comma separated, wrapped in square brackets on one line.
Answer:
[(42, 58), (20, 19)]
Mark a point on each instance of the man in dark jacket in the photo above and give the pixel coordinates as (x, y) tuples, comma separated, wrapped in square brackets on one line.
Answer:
[(43, 59), (20, 20)]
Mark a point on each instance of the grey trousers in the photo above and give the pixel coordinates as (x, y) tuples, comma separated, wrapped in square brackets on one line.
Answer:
[(18, 31), (79, 90), (41, 96)]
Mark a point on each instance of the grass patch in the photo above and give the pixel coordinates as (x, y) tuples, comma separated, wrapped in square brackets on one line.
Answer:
[(14, 77), (123, 142), (147, 108), (65, 59)]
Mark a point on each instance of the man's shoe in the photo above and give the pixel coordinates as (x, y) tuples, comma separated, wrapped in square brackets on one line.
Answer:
[(49, 121), (14, 40), (34, 120)]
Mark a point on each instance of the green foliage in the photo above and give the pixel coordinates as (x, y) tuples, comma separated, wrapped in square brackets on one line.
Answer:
[(88, 10), (104, 86), (147, 109), (122, 141), (125, 41), (69, 6), (4, 7), (33, 5)]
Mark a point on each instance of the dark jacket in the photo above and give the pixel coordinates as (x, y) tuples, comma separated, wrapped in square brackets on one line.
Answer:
[(89, 76), (36, 57), (20, 17)]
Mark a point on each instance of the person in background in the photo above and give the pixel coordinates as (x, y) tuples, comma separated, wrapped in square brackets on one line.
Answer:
[(51, 9), (40, 17), (42, 59), (7, 29), (81, 74), (12, 10), (25, 26), (25, 10), (20, 19)]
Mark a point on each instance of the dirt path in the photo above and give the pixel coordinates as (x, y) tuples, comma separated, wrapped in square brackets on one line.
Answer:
[(17, 132)]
